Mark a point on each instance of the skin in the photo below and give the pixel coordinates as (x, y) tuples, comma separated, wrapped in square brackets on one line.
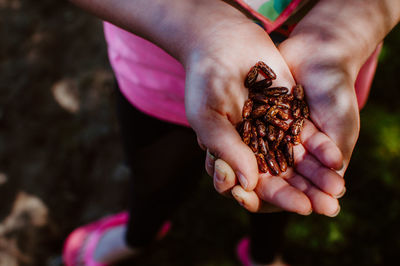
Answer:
[(217, 45), (215, 95), (325, 53), (330, 65)]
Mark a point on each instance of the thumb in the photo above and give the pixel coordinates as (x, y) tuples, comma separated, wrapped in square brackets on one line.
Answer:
[(218, 134)]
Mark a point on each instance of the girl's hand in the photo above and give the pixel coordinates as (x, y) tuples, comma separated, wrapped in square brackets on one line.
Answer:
[(215, 94), (328, 78), (325, 53), (217, 45)]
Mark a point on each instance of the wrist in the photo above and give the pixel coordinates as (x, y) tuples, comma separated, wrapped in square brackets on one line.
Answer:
[(319, 52), (208, 28), (177, 26), (349, 30)]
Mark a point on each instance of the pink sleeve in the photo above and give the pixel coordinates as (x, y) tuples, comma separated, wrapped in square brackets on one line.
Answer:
[(269, 25), (149, 78), (366, 76)]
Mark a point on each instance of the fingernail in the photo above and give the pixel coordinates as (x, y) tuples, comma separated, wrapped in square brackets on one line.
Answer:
[(241, 202), (341, 193), (238, 198), (336, 213), (341, 167), (211, 156), (220, 174), (242, 180)]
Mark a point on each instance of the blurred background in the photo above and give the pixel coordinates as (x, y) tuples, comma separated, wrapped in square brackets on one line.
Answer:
[(61, 162)]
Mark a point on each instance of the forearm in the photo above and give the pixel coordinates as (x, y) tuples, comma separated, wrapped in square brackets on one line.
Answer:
[(176, 26), (354, 27)]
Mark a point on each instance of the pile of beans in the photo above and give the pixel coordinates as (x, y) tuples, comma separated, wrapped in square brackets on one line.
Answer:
[(272, 119)]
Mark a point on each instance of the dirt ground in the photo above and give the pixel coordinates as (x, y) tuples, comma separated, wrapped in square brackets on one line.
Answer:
[(61, 162)]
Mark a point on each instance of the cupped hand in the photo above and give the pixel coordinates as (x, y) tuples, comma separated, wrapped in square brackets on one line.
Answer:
[(215, 93), (328, 76)]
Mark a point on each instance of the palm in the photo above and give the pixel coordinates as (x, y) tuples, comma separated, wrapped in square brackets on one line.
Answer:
[(329, 91), (214, 98)]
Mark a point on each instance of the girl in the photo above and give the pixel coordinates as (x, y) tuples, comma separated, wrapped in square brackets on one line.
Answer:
[(189, 69)]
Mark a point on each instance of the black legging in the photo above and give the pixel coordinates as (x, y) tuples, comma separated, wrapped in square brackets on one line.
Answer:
[(166, 163)]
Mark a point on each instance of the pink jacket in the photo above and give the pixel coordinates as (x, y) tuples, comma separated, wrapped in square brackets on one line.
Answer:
[(154, 82)]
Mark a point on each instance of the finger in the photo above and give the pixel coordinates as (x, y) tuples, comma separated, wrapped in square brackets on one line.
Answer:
[(321, 146), (324, 178), (222, 139), (251, 202), (224, 178), (277, 191), (209, 164), (321, 202), (201, 144)]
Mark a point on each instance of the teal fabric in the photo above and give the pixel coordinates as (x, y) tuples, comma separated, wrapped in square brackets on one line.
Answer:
[(273, 8), (267, 10), (280, 5)]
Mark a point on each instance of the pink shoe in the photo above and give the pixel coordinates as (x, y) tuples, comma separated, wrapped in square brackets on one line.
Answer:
[(242, 251), (81, 243)]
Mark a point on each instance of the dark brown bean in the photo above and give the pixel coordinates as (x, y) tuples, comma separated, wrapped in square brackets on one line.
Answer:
[(259, 97), (261, 129), (283, 105), (287, 149), (296, 139), (251, 77), (247, 107), (280, 158), (254, 144), (262, 146), (272, 164), (275, 91), (262, 165), (297, 126), (298, 92), (279, 137), (246, 133), (253, 130), (262, 84), (278, 102), (283, 114), (288, 98), (304, 110), (272, 111), (277, 122), (259, 111), (271, 136), (296, 109), (254, 140), (287, 138), (265, 70)]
